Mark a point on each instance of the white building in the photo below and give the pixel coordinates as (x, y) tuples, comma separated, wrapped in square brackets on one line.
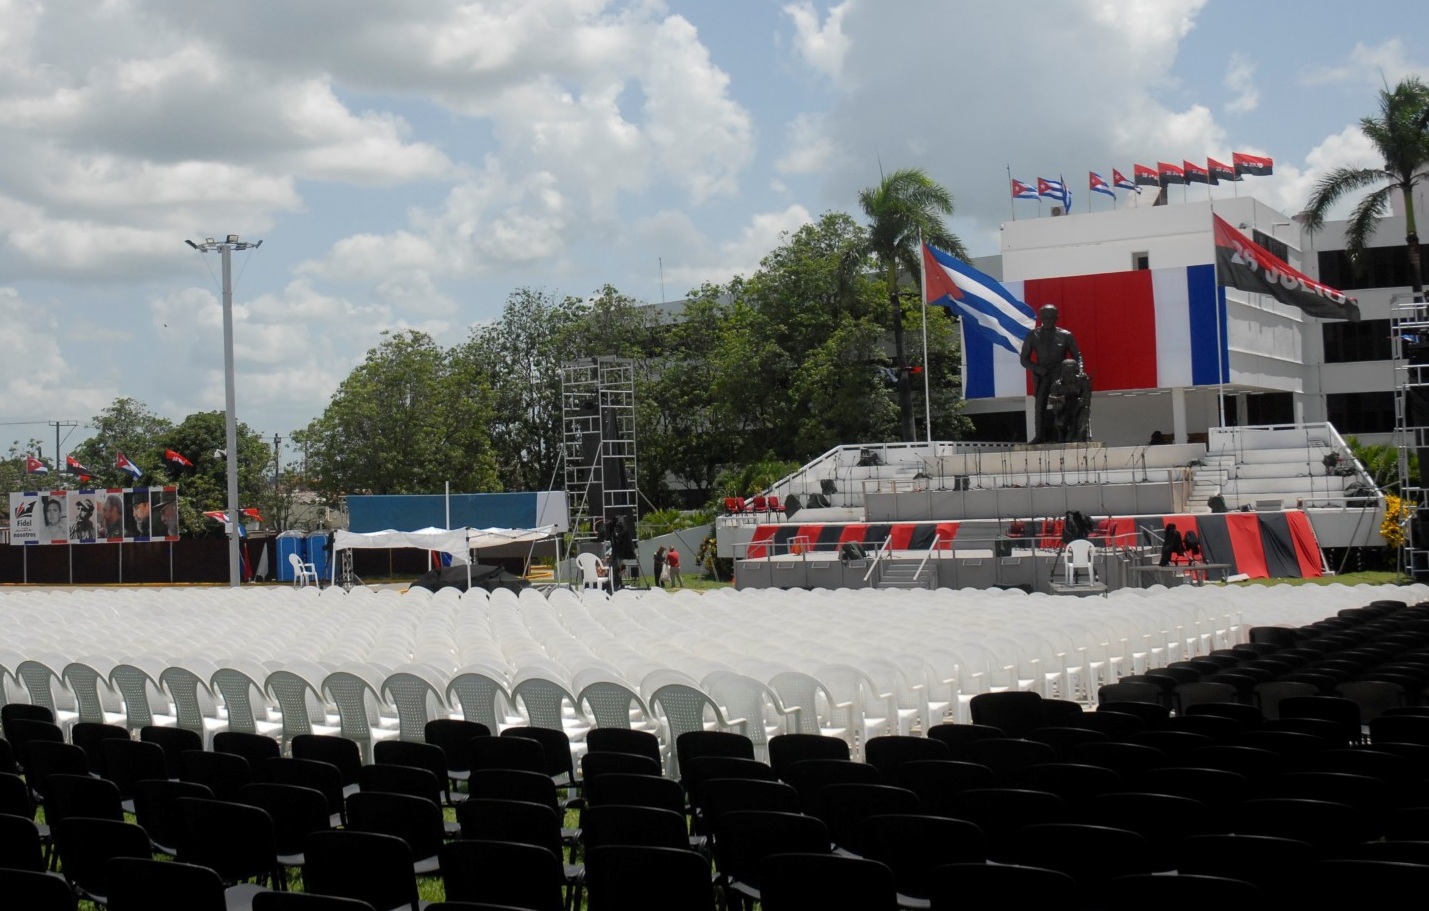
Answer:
[(1278, 365)]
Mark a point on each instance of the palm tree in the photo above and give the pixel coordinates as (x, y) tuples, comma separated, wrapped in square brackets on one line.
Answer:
[(905, 206), (1400, 132)]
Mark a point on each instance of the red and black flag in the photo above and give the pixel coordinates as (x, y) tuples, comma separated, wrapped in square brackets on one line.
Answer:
[(1243, 264), (73, 467), (1145, 177), (1254, 165), (1220, 170), (1194, 173), (177, 458), (1170, 173)]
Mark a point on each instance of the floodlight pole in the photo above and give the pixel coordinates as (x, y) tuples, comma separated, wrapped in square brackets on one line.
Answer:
[(225, 249)]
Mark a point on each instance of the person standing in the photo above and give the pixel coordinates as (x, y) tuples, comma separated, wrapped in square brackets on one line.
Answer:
[(672, 563), (1172, 545), (659, 564)]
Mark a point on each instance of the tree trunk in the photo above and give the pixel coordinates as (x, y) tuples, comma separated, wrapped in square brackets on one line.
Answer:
[(905, 388)]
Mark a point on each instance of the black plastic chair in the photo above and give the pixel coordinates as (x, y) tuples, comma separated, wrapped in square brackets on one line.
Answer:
[(256, 748), (35, 891), (1187, 892), (81, 795), (957, 737), (235, 840), (1126, 759), (889, 752), (85, 846), (1015, 712), (913, 846), (156, 811), (623, 740), (503, 872), (618, 824), (787, 749), (744, 838), (1328, 826), (90, 735), (296, 811), (137, 884), (415, 820), (938, 781), (453, 735), (594, 765), (20, 845), (730, 795), (427, 756), (1065, 739), (390, 778), (1002, 813), (309, 901), (225, 774), (128, 762), (515, 820), (1091, 855), (1162, 819), (556, 746), (1033, 887), (637, 791), (631, 878), (175, 742), (515, 753), (1076, 783), (797, 882), (366, 866), (322, 777), (1007, 756), (810, 776), (1274, 864), (44, 758), (696, 744), (345, 754)]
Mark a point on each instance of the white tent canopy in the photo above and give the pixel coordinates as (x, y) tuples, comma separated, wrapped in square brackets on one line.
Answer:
[(457, 542)]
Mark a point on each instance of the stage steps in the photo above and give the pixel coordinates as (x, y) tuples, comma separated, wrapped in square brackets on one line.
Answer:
[(906, 575)]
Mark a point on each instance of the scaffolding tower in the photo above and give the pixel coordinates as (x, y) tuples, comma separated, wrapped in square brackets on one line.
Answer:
[(1410, 336), (598, 444)]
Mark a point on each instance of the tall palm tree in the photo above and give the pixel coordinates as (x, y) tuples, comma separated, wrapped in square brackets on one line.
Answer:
[(1400, 132), (905, 206)]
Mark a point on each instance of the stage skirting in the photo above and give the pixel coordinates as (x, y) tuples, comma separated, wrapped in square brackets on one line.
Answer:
[(1259, 544)]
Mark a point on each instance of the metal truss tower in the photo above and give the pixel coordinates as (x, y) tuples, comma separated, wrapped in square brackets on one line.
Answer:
[(1410, 336), (598, 443)]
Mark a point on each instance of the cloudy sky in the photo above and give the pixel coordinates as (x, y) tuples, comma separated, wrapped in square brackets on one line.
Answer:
[(408, 164)]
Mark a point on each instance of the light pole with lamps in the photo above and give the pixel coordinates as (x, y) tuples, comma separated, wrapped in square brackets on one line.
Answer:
[(225, 249)]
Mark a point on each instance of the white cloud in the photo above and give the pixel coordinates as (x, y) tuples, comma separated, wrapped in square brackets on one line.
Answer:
[(740, 256), (821, 45), (1240, 79), (1369, 65), (42, 380), (810, 149)]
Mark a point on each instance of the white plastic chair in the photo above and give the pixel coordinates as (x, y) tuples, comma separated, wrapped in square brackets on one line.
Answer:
[(590, 574), (1080, 555), (303, 573)]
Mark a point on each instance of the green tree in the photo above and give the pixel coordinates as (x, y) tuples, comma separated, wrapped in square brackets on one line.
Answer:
[(1400, 133), (13, 476), (201, 438), (128, 426), (905, 209), (408, 419)]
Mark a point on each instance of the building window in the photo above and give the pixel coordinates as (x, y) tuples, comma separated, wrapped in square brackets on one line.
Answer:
[(1261, 409), (1361, 412), (1367, 340), (1273, 244), (1140, 262), (1384, 267)]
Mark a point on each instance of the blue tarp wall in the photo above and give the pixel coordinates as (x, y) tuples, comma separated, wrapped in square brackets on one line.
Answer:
[(472, 510)]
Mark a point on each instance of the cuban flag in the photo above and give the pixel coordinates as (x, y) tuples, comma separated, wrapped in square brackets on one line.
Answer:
[(1176, 317), (1122, 182), (1055, 189), (1097, 185), (992, 318), (35, 466), (121, 461), (1021, 190), (72, 466)]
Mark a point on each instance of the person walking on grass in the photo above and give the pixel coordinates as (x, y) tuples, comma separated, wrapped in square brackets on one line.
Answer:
[(659, 564)]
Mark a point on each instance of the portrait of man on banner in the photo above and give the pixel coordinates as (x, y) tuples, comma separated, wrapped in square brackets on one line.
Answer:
[(136, 513), (52, 527), (163, 514), (84, 524)]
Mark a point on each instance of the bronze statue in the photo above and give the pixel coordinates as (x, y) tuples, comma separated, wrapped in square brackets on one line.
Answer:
[(1043, 350), (1071, 405)]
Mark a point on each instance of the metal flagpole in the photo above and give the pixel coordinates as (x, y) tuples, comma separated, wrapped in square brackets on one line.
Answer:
[(923, 300)]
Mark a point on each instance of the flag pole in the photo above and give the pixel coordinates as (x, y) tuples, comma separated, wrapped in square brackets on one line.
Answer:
[(1220, 346), (923, 311)]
